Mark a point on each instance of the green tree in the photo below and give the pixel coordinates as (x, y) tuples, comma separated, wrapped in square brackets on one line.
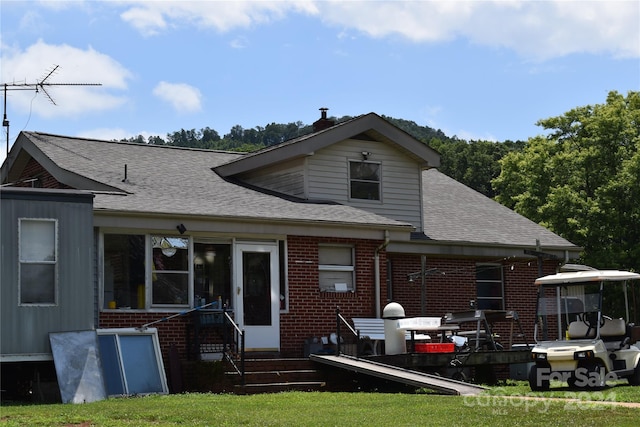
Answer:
[(583, 180), (474, 163)]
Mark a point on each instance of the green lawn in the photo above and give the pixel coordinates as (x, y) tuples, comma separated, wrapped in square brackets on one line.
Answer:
[(491, 408)]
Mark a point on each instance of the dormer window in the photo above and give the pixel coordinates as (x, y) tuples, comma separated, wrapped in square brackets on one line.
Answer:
[(364, 180)]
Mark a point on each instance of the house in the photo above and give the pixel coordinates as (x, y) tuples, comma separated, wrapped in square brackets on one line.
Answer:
[(353, 215)]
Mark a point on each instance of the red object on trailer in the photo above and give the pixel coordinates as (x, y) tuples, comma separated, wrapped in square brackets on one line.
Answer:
[(435, 347)]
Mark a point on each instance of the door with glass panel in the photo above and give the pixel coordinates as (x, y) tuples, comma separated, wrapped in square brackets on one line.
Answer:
[(257, 295)]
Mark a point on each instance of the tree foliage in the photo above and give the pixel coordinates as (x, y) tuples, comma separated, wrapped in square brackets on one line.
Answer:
[(473, 163), (583, 180)]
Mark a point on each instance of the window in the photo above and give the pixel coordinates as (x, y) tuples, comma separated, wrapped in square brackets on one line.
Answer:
[(124, 275), (141, 271), (212, 273), (38, 261), (131, 361), (335, 268), (170, 274), (364, 180), (490, 289)]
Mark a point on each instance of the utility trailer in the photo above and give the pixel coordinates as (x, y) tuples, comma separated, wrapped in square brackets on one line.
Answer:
[(463, 344)]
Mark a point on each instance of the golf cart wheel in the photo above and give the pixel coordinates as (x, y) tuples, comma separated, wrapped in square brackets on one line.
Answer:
[(596, 371), (533, 381), (634, 379)]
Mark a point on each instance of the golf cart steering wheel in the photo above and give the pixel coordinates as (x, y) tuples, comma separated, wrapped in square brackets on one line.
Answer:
[(591, 319)]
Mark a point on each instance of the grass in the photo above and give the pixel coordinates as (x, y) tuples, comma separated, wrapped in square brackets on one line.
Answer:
[(343, 409)]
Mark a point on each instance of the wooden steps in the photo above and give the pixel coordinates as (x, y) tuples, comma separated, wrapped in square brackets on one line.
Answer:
[(274, 375)]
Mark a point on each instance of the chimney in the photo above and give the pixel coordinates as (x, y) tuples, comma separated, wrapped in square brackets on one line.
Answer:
[(323, 122)]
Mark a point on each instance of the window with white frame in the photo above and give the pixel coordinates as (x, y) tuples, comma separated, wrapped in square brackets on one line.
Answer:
[(336, 269), (38, 254), (170, 276), (124, 271), (490, 287), (364, 180)]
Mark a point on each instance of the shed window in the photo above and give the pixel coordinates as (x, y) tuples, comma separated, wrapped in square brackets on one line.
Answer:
[(336, 269), (490, 288), (38, 261), (364, 180)]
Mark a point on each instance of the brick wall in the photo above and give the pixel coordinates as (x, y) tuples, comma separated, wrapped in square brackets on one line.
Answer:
[(452, 286), (313, 313), (33, 169)]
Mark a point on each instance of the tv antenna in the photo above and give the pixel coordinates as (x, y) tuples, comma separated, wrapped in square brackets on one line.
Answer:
[(38, 86)]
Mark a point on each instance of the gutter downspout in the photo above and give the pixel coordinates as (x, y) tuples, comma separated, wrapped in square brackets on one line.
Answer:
[(377, 271)]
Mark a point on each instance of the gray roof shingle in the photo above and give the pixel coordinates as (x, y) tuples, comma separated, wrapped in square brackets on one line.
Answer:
[(180, 181), (455, 212)]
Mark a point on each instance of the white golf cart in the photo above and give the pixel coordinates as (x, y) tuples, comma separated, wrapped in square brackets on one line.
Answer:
[(575, 341)]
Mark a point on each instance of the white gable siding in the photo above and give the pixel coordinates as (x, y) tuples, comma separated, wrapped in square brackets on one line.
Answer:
[(328, 178), (287, 178)]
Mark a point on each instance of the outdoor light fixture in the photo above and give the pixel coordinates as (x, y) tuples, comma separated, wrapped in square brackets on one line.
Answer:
[(181, 228), (365, 155)]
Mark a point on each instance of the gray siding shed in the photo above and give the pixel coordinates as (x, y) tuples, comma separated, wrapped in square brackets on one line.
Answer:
[(24, 333)]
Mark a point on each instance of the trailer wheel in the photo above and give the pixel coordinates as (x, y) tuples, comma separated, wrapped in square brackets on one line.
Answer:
[(533, 381), (634, 379)]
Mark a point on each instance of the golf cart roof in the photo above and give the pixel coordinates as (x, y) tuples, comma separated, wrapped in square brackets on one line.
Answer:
[(587, 276)]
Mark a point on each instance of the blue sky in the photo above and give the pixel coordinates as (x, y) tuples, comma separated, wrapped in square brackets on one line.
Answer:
[(473, 69)]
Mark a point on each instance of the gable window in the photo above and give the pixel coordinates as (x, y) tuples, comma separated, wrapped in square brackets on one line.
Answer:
[(336, 269), (364, 180), (38, 261), (490, 287)]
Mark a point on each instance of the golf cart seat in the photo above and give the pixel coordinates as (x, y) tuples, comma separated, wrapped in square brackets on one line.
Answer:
[(614, 334), (579, 330)]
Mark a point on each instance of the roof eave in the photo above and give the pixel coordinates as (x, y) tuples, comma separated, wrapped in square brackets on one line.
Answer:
[(481, 249), (110, 218), (63, 176)]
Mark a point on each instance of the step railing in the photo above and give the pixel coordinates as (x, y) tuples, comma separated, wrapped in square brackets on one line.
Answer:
[(340, 320), (236, 337)]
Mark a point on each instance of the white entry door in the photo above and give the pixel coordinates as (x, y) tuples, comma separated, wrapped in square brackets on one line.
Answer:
[(257, 295)]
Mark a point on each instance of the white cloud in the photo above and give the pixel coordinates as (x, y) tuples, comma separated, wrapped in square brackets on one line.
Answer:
[(239, 43), (181, 96), (75, 65), (147, 21), (534, 29), (473, 136), (150, 17), (106, 134)]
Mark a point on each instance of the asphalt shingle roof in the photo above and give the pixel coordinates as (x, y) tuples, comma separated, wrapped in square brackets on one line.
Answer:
[(180, 181), (455, 212)]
